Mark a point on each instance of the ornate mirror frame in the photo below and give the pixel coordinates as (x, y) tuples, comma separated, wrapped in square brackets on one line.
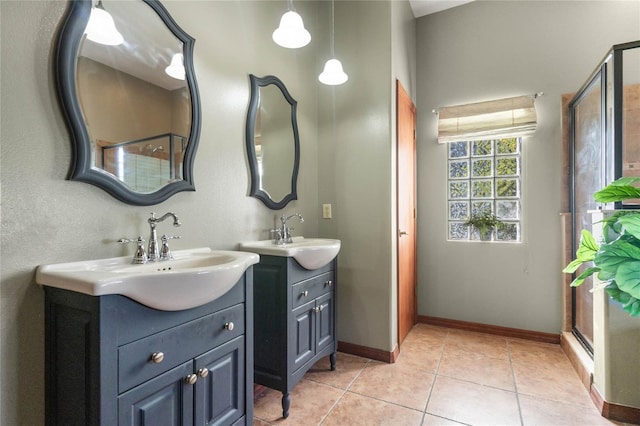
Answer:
[(254, 105), (66, 56)]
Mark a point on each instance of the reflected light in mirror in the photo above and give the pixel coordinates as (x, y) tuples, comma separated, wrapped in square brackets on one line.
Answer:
[(101, 28), (176, 67)]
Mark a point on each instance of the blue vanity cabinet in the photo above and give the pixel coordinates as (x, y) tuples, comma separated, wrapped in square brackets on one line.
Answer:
[(294, 321), (112, 361)]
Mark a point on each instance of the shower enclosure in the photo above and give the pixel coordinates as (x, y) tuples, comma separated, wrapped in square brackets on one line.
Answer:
[(604, 146)]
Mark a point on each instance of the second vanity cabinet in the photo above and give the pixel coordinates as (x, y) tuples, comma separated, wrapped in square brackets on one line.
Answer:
[(112, 361), (294, 321)]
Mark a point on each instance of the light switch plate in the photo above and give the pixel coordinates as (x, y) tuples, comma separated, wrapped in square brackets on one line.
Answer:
[(326, 211)]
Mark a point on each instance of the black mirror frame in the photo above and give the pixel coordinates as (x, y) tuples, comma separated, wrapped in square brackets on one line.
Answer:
[(67, 48), (254, 104)]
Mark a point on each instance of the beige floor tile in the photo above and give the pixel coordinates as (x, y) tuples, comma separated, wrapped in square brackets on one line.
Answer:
[(358, 410), (258, 422), (347, 369), (537, 411), (430, 420), (394, 383), (427, 334), (473, 367), (420, 356), (472, 403), (310, 402), (551, 381), (484, 344), (523, 351)]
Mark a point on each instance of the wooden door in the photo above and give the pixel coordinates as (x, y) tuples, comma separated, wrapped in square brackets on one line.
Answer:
[(406, 194)]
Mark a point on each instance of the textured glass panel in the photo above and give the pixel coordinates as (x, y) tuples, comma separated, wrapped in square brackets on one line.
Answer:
[(508, 209), (482, 188), (510, 232), (482, 167), (458, 231), (458, 149), (475, 235), (482, 148), (459, 169), (478, 207), (458, 210), (507, 188), (507, 146), (507, 166), (458, 189)]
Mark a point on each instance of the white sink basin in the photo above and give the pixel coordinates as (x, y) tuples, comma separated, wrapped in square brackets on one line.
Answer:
[(310, 253), (194, 277)]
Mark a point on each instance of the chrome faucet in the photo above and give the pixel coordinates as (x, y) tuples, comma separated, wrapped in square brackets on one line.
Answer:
[(283, 234), (153, 253)]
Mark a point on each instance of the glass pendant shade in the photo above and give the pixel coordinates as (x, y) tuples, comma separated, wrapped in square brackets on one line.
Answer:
[(176, 67), (101, 28), (291, 32), (332, 74)]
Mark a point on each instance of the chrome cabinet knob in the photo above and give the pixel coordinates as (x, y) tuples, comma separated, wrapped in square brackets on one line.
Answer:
[(203, 372), (191, 379), (329, 283), (305, 293), (157, 357), (318, 308), (229, 326)]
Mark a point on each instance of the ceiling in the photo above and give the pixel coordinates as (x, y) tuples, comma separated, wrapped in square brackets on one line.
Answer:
[(427, 7)]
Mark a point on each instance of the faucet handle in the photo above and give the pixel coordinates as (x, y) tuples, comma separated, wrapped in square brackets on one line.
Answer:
[(140, 256), (165, 251)]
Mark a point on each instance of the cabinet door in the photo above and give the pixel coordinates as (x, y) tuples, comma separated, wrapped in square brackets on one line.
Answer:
[(324, 321), (220, 394), (302, 335), (166, 400)]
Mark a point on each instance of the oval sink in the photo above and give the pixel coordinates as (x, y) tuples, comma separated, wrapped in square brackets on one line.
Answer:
[(194, 277), (310, 253)]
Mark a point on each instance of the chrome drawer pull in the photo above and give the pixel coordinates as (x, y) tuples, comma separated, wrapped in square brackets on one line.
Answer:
[(229, 326), (191, 379), (157, 357), (203, 372)]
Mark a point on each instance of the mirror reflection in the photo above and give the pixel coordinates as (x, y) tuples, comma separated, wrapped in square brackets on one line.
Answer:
[(129, 94), (137, 115), (272, 142)]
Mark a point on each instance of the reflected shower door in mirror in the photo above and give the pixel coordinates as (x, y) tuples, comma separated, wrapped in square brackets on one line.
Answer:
[(133, 104), (273, 145)]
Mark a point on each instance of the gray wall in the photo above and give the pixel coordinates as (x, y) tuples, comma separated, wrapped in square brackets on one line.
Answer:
[(487, 50), (346, 160)]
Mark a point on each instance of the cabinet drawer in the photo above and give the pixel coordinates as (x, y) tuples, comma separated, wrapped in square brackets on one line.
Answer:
[(177, 345), (308, 290)]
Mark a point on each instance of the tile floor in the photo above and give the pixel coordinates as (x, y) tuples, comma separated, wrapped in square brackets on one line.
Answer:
[(442, 377)]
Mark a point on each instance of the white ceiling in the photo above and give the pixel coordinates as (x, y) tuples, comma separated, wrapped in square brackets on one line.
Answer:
[(427, 7)]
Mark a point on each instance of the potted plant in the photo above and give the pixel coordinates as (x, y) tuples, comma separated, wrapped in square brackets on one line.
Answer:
[(616, 260), (484, 222)]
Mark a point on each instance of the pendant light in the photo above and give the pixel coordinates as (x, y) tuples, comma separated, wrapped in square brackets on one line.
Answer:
[(176, 67), (101, 28), (291, 32), (332, 74)]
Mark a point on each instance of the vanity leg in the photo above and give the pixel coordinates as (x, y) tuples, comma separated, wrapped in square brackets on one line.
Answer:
[(332, 359), (286, 403)]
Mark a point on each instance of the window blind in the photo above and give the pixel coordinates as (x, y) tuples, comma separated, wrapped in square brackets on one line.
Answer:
[(510, 117)]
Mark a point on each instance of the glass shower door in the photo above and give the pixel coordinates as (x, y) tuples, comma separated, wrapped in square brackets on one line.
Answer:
[(588, 175)]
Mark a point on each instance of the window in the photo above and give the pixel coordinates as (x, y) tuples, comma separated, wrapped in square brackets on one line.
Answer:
[(484, 176)]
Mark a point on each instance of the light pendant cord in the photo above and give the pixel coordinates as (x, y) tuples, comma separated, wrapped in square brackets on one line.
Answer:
[(332, 28)]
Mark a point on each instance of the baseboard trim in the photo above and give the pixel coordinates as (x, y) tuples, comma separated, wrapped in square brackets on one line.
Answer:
[(580, 360), (619, 413), (367, 352), (491, 329)]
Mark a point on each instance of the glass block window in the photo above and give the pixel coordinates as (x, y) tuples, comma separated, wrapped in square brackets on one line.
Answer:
[(484, 176)]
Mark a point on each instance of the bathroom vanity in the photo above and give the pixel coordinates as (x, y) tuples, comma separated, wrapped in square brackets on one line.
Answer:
[(294, 321), (112, 361)]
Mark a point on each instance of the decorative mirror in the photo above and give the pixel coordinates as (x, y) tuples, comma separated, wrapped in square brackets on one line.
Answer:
[(131, 103), (273, 146)]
